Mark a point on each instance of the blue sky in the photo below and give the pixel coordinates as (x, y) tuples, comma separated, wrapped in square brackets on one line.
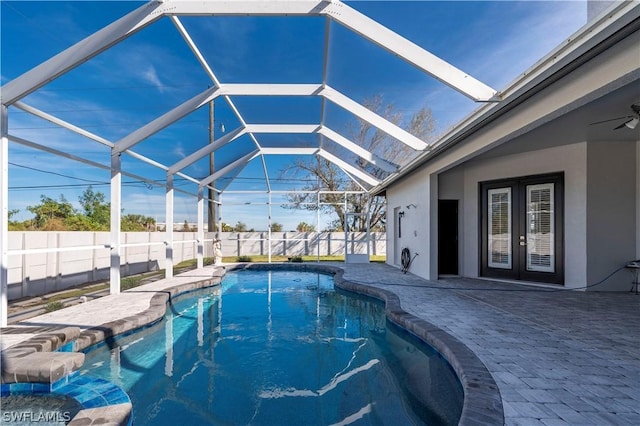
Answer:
[(153, 71)]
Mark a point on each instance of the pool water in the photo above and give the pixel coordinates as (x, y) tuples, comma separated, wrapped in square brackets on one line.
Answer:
[(278, 348)]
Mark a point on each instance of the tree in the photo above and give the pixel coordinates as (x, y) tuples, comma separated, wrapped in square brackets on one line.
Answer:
[(96, 209), (59, 215), (226, 227), (136, 223), (326, 176), (77, 222), (276, 227), (50, 214), (15, 225), (305, 227), (240, 227)]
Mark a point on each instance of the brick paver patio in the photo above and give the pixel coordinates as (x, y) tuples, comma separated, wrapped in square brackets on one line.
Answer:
[(558, 357)]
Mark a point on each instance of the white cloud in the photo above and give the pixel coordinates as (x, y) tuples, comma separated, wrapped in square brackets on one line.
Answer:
[(150, 75), (538, 27), (535, 30), (178, 150)]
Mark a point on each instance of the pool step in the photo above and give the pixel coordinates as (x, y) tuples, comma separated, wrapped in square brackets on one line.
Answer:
[(39, 367)]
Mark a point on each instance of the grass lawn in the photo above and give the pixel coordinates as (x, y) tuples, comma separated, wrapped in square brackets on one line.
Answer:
[(264, 258), (58, 300)]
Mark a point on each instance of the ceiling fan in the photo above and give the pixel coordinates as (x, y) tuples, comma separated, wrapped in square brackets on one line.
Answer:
[(630, 121)]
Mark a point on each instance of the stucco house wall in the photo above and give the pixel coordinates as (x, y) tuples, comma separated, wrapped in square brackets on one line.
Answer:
[(612, 230), (415, 231), (600, 196), (600, 206), (548, 131), (571, 160)]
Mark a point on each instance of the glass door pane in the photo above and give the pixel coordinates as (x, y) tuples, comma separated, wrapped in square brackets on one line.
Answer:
[(540, 228), (499, 228)]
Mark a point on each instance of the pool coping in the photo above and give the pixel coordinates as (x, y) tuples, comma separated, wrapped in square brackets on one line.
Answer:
[(68, 341), (482, 400)]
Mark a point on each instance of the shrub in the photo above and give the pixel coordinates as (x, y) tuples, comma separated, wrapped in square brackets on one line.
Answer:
[(53, 306), (295, 259), (130, 282), (244, 259)]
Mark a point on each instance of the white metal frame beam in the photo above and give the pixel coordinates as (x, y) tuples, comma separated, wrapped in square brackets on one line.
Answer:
[(55, 120), (357, 182), (207, 149), (289, 151), (325, 71), (237, 171), (80, 52), (345, 15), (187, 38), (354, 21), (240, 162), (366, 177), (374, 119), (266, 172), (246, 7), (282, 128), (116, 214), (4, 215), (166, 119), (200, 253), (241, 89), (168, 231), (410, 52), (327, 92), (357, 149), (59, 122), (62, 154)]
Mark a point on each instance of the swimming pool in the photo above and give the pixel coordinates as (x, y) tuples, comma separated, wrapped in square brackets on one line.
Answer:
[(278, 347)]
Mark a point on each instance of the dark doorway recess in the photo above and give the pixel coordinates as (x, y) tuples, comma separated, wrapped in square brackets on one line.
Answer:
[(447, 237)]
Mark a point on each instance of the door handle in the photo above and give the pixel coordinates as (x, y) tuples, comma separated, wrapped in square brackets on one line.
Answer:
[(523, 241)]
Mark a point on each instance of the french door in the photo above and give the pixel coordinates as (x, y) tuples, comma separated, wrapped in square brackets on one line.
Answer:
[(522, 228)]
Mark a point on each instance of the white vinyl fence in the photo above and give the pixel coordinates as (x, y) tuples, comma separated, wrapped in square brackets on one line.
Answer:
[(59, 260)]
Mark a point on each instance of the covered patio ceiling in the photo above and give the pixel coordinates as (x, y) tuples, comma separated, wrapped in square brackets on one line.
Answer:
[(247, 138)]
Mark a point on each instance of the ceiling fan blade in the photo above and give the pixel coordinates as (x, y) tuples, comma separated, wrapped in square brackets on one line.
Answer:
[(621, 126), (611, 119)]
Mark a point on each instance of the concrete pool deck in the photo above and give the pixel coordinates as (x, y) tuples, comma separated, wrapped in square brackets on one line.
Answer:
[(557, 357)]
